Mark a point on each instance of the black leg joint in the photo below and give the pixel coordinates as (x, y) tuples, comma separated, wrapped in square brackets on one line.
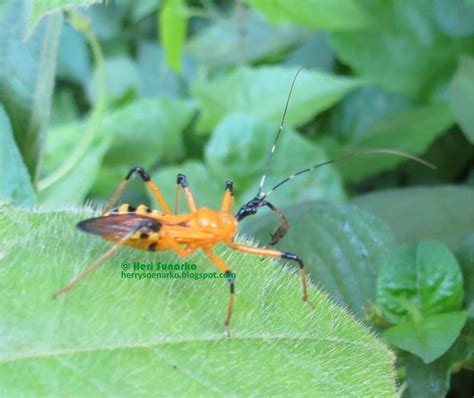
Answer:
[(229, 186), (293, 257), (141, 171), (231, 280), (181, 180)]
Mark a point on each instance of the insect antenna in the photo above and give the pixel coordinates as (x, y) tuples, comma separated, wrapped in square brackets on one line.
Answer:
[(280, 129), (349, 156)]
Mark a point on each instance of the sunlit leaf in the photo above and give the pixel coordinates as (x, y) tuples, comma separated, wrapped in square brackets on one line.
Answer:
[(166, 337)]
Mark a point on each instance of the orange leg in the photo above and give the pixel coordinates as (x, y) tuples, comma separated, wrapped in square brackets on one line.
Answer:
[(151, 185), (181, 182), (275, 253), (228, 199), (224, 268), (105, 256)]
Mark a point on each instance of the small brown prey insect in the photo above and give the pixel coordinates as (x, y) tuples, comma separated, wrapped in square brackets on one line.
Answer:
[(201, 228)]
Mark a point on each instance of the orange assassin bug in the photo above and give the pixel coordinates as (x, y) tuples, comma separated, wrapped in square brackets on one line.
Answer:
[(201, 228)]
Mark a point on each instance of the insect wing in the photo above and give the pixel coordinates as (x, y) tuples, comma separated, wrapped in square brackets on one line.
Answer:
[(116, 226)]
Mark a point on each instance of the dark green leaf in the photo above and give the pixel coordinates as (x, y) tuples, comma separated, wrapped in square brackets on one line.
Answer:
[(262, 92), (313, 14), (15, 180), (358, 111), (342, 248), (146, 131), (429, 339), (410, 130), (417, 280), (442, 212), (465, 255), (432, 380), (314, 53), (173, 26), (405, 52), (73, 57), (461, 96), (128, 337), (27, 69)]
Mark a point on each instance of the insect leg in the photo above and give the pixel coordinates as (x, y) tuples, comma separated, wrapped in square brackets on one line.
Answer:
[(147, 180), (228, 199), (278, 254), (282, 229), (101, 259), (230, 278), (182, 182)]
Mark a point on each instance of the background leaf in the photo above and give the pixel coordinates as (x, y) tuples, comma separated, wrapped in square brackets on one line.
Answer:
[(16, 183), (461, 96), (26, 91), (342, 248), (242, 91), (40, 9), (147, 131), (173, 24), (165, 328), (242, 39), (328, 14), (419, 279), (429, 339), (239, 149), (410, 130), (404, 52), (438, 207)]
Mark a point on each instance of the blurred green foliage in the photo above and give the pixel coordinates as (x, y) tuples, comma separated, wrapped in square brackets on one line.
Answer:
[(88, 90)]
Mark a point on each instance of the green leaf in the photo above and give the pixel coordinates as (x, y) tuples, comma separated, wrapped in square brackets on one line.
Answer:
[(433, 380), (239, 149), (465, 256), (455, 17), (349, 119), (429, 339), (173, 26), (461, 96), (315, 14), (27, 69), (156, 76), (16, 183), (166, 337), (73, 186), (42, 8), (147, 130), (417, 280), (207, 190), (438, 207), (410, 130), (262, 92), (240, 40), (122, 81), (74, 63), (342, 248), (405, 52)]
